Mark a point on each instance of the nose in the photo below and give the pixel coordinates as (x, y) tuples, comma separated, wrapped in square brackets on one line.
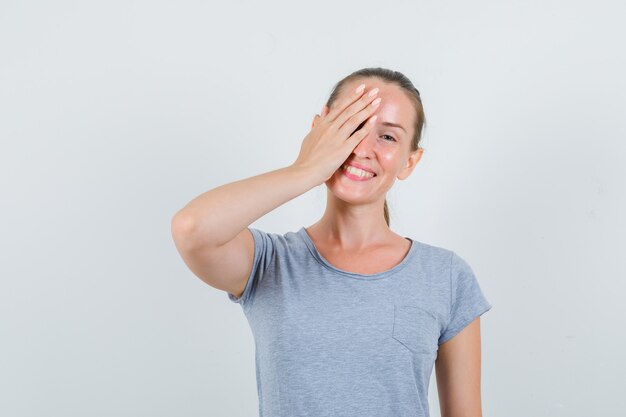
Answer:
[(365, 148)]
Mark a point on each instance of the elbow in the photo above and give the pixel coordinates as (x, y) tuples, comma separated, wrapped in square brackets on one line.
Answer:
[(183, 233), (181, 226)]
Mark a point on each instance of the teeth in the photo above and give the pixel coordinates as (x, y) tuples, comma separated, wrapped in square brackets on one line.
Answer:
[(356, 171)]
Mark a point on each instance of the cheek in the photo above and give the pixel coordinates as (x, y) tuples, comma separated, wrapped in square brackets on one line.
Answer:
[(387, 156)]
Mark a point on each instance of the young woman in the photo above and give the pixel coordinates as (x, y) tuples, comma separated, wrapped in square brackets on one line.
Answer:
[(348, 317)]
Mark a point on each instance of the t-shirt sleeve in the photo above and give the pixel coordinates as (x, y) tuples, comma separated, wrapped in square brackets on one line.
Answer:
[(467, 298), (263, 255)]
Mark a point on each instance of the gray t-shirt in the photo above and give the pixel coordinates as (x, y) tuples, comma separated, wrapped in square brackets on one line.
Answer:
[(332, 343)]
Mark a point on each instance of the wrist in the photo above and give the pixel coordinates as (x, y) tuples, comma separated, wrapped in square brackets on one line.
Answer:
[(306, 173)]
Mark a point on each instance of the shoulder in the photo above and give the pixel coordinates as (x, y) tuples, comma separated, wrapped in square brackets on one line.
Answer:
[(440, 257), (434, 257), (277, 242)]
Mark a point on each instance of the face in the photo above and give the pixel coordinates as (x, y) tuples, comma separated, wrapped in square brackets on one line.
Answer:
[(385, 150)]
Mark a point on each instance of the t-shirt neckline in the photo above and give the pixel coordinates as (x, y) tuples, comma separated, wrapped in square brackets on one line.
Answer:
[(319, 258)]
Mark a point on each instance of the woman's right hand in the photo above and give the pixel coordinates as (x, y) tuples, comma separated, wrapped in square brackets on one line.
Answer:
[(331, 140)]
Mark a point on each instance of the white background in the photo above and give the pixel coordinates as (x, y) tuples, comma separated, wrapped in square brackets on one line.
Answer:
[(113, 115)]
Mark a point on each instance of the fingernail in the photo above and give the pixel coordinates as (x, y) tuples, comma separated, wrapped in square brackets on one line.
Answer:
[(373, 92), (360, 88)]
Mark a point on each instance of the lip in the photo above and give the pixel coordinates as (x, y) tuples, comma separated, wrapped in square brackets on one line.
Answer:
[(363, 167), (354, 177)]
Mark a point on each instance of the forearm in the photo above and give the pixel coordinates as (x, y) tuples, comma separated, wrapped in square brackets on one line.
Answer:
[(218, 215)]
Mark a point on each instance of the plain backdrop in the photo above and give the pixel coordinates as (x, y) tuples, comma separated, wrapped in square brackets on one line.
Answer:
[(115, 114)]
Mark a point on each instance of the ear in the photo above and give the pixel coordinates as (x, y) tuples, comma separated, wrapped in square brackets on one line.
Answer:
[(414, 158)]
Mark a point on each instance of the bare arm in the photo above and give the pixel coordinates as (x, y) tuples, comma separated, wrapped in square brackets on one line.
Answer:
[(211, 231), (458, 373), (218, 215)]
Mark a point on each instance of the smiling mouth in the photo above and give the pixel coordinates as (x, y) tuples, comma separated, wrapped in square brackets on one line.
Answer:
[(356, 173)]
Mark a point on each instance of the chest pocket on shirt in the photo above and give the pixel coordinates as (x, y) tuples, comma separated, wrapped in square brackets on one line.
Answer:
[(415, 328)]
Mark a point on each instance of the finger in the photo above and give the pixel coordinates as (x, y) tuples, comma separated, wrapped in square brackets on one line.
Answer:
[(341, 105), (360, 134), (357, 120), (347, 117)]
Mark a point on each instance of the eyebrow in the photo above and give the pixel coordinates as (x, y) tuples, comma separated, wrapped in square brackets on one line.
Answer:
[(393, 125)]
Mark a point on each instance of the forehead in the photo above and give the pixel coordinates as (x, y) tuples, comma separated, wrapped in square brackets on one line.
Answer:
[(395, 107), (385, 88)]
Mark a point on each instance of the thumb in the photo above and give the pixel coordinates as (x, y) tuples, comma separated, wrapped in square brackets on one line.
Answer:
[(320, 116)]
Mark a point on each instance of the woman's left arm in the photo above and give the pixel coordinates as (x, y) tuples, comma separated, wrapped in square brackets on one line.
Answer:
[(457, 370)]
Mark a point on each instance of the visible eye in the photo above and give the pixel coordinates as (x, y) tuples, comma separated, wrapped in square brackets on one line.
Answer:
[(392, 138)]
